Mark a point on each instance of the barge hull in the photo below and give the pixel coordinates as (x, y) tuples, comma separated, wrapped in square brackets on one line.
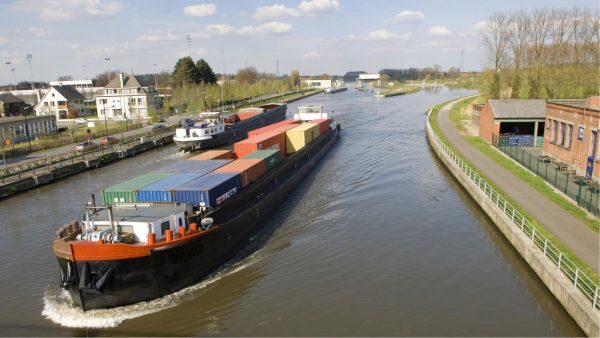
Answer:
[(172, 268)]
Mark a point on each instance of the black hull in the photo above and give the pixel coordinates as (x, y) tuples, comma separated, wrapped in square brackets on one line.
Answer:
[(237, 132), (175, 267)]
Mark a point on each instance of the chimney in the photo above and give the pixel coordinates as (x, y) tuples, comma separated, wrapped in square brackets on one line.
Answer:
[(593, 102), (121, 79)]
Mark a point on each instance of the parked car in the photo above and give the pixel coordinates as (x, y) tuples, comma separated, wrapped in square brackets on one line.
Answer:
[(84, 146), (109, 140), (158, 127), (80, 120)]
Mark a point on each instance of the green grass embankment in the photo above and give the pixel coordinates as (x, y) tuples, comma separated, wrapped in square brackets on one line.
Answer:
[(500, 159)]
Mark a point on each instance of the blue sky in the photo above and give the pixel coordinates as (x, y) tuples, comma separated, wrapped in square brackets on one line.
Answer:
[(74, 37)]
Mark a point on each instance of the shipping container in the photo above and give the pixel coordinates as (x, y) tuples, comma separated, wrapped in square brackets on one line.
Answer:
[(247, 113), (209, 190), (249, 169), (269, 157), (185, 166), (270, 140), (125, 192), (324, 125), (297, 138), (213, 155), (272, 127), (162, 191)]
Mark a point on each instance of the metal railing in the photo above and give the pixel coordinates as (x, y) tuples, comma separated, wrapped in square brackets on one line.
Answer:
[(563, 264)]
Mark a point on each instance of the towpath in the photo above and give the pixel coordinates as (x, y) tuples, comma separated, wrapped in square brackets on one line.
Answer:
[(573, 233)]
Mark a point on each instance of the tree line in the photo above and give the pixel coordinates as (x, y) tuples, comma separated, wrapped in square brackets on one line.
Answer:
[(545, 53)]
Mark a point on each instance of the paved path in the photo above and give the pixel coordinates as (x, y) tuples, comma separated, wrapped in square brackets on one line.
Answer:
[(573, 233)]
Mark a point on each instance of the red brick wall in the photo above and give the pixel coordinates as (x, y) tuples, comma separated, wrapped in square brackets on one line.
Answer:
[(579, 150), (487, 125)]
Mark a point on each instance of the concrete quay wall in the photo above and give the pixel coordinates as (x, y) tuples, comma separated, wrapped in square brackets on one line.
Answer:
[(577, 305)]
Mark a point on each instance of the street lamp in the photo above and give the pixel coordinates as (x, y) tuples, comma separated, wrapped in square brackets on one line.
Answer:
[(155, 82), (29, 56), (84, 72)]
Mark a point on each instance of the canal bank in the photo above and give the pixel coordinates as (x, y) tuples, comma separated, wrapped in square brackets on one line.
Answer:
[(574, 290)]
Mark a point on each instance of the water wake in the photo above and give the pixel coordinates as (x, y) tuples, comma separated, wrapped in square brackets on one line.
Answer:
[(59, 308)]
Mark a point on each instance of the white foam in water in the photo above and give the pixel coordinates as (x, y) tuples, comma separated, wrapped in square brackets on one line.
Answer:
[(59, 308)]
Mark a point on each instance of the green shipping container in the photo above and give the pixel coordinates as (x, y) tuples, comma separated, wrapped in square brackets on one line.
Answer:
[(125, 192), (270, 157)]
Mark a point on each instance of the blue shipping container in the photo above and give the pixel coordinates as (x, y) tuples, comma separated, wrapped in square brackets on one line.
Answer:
[(162, 191), (191, 166), (209, 190)]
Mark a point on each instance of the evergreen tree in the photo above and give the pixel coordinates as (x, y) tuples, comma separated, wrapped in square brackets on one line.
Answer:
[(516, 87), (185, 72), (205, 73), (495, 87)]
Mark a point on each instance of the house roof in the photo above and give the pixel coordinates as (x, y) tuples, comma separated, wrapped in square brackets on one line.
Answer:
[(10, 98), (69, 92), (581, 104), (129, 81), (518, 109)]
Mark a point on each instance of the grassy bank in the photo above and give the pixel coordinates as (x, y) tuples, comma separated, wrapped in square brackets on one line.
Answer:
[(581, 264)]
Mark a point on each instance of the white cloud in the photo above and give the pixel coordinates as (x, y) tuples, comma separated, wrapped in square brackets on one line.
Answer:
[(312, 55), (275, 12), (3, 40), (380, 35), (200, 10), (195, 53), (269, 28), (480, 26), (439, 30), (314, 7), (160, 35), (219, 30), (57, 10), (407, 15), (38, 31)]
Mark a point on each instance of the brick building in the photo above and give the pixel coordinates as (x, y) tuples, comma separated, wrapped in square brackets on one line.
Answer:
[(510, 118), (572, 134)]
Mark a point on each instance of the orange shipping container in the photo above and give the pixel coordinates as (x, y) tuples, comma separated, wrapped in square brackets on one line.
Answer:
[(247, 113), (249, 169), (324, 125), (270, 140), (272, 127), (214, 155)]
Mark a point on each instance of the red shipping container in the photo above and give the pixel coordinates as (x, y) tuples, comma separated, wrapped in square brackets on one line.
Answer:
[(272, 127), (270, 140), (214, 155), (249, 169), (324, 125)]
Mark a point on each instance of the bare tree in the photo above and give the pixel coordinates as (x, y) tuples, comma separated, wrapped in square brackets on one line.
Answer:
[(559, 36), (538, 36), (495, 39), (518, 32)]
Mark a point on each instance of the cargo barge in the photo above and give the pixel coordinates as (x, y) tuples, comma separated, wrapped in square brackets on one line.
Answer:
[(214, 130), (125, 253)]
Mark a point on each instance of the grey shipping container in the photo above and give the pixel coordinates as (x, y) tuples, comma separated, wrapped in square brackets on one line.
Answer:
[(191, 166), (162, 191), (209, 190)]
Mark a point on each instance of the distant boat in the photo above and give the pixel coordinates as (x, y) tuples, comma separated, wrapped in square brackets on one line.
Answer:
[(338, 86), (214, 130)]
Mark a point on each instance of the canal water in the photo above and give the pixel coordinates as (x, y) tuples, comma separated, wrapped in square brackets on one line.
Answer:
[(379, 240)]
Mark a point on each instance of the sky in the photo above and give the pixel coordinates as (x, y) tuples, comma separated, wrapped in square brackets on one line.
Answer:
[(83, 38)]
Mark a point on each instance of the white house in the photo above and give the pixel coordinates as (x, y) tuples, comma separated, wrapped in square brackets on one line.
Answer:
[(318, 83), (124, 97), (64, 102)]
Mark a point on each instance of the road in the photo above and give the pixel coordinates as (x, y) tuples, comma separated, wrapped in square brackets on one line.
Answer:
[(574, 234)]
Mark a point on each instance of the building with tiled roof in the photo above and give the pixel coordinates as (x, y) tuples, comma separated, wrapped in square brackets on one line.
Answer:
[(125, 98), (65, 102), (11, 105)]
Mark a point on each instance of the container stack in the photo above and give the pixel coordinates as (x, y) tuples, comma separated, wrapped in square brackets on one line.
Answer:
[(249, 169), (270, 140), (272, 127), (298, 137), (125, 192), (214, 155)]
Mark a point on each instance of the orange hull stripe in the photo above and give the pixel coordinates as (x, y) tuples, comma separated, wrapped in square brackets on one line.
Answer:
[(94, 251)]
